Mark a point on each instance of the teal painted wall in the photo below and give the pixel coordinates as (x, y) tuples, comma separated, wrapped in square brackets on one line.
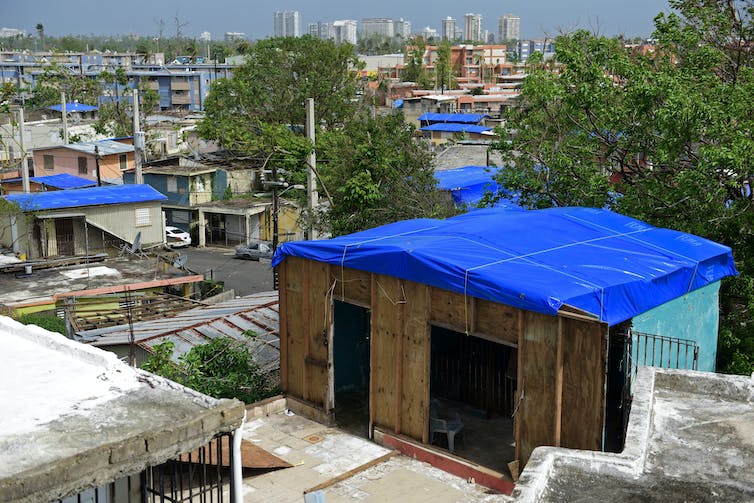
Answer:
[(694, 316)]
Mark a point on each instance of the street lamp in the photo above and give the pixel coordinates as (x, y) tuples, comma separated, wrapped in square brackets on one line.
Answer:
[(275, 209)]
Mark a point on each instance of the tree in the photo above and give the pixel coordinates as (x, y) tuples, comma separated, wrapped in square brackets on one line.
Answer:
[(378, 174), (443, 66), (55, 79), (414, 69), (222, 368), (663, 137)]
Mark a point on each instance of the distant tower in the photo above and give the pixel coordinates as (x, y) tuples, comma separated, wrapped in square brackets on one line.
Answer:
[(473, 27), (287, 23), (402, 28), (377, 26), (448, 28), (508, 28)]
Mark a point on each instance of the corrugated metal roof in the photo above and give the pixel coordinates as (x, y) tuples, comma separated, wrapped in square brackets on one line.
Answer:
[(106, 147), (114, 194), (73, 107), (257, 313), (456, 128), (458, 118)]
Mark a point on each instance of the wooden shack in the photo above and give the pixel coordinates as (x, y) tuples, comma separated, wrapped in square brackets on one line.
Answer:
[(512, 312)]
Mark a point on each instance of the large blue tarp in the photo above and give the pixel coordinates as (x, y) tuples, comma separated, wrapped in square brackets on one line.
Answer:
[(452, 127), (469, 184), (606, 264), (457, 118), (57, 199)]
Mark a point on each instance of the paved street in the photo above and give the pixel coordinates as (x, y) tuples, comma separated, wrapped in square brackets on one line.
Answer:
[(244, 276)]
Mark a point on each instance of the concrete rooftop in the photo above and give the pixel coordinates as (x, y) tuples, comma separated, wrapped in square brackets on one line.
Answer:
[(690, 438), (75, 417), (44, 284), (321, 454)]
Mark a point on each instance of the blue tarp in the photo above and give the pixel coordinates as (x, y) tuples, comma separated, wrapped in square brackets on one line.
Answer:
[(467, 185), (456, 128), (115, 194), (457, 118), (73, 107), (60, 181), (398, 103), (606, 264)]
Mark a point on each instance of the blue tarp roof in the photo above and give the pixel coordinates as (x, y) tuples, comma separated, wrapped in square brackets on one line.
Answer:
[(456, 128), (59, 181), (457, 118), (398, 103), (606, 264), (114, 194), (73, 107), (467, 185)]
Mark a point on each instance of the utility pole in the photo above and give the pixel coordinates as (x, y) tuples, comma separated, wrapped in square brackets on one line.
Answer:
[(312, 197), (275, 205), (138, 140), (96, 164), (64, 111), (24, 165)]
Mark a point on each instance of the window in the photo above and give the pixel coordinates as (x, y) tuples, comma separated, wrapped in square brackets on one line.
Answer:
[(172, 184), (123, 159), (30, 164), (82, 165), (142, 217), (49, 162)]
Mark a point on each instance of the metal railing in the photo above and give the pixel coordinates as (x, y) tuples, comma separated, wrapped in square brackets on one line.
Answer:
[(651, 350)]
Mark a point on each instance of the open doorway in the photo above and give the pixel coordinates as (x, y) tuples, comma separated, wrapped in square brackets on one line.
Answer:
[(473, 380), (351, 367)]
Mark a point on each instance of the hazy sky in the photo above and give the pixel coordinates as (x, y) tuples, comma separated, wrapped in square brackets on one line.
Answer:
[(538, 18)]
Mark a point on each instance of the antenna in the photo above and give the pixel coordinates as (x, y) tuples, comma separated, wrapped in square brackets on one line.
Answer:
[(136, 247), (180, 261)]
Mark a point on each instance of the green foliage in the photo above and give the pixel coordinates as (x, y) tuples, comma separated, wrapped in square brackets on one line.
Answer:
[(48, 322), (55, 79), (379, 174), (414, 69), (379, 44), (222, 368), (669, 131), (443, 68)]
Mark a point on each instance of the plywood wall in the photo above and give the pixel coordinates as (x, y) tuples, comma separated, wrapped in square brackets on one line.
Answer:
[(561, 362)]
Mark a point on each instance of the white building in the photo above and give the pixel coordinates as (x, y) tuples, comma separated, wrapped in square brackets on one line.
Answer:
[(429, 33), (377, 26), (473, 27), (448, 28), (232, 36), (287, 23), (402, 28), (508, 28), (344, 31)]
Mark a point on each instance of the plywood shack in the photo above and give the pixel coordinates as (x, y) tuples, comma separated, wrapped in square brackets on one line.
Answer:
[(561, 360)]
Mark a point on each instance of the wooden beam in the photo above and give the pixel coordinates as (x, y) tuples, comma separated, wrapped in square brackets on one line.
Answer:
[(401, 334), (307, 327), (372, 320), (350, 473), (559, 383), (427, 363), (519, 385)]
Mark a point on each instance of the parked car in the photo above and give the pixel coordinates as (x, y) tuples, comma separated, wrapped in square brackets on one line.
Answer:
[(176, 238), (255, 250)]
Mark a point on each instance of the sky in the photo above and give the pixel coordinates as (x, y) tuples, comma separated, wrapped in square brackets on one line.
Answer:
[(255, 18)]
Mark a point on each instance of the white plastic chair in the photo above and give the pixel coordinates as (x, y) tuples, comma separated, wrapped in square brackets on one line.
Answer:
[(449, 427)]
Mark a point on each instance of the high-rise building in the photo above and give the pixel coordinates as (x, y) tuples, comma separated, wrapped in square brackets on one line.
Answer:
[(473, 27), (429, 33), (377, 26), (448, 28), (402, 28), (287, 23), (508, 28), (344, 31), (232, 36), (322, 31)]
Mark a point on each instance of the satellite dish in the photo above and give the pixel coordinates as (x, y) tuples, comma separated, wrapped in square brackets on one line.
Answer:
[(136, 247), (180, 261)]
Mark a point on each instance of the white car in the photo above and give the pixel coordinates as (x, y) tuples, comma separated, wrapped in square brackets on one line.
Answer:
[(176, 238)]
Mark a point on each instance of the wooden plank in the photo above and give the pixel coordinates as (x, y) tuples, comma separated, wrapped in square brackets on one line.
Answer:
[(350, 473), (414, 400), (400, 337), (351, 285), (296, 323), (538, 405), (306, 329), (559, 383), (519, 386), (498, 320), (372, 350), (384, 343), (319, 320), (448, 308), (283, 330), (427, 346), (584, 362)]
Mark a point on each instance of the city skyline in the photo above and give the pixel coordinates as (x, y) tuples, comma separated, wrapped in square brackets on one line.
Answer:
[(142, 17)]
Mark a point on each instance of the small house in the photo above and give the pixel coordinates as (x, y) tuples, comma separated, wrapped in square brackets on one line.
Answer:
[(81, 221), (519, 314), (60, 181), (81, 159)]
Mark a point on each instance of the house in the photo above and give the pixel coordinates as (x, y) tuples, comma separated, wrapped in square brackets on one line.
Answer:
[(468, 186), (441, 127), (82, 221), (511, 313), (235, 318), (80, 159), (675, 415), (60, 181), (76, 111), (87, 427)]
